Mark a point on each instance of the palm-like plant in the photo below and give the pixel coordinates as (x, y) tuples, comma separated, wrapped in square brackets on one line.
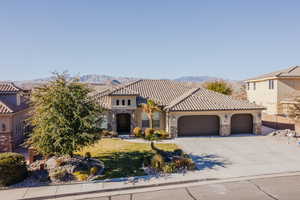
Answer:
[(149, 108)]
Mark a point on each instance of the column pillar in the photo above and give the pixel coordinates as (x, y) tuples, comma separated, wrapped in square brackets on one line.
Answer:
[(225, 126)]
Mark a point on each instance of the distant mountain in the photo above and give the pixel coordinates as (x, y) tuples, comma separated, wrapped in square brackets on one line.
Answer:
[(104, 80)]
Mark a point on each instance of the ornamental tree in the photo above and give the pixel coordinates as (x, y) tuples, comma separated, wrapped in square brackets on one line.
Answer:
[(219, 86), (64, 117)]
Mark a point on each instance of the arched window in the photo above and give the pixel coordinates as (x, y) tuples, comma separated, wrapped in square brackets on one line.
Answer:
[(129, 102), (145, 120), (123, 102), (156, 120), (118, 102)]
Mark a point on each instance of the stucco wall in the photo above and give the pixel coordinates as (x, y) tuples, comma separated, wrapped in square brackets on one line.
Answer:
[(120, 98), (264, 96)]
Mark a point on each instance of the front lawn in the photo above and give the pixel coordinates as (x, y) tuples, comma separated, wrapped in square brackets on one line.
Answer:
[(122, 158)]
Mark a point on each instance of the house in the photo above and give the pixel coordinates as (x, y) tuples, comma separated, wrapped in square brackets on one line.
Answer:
[(186, 110), (275, 90), (13, 112)]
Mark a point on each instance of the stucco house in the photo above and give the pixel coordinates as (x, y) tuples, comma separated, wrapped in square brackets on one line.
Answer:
[(186, 110), (275, 90), (13, 112)]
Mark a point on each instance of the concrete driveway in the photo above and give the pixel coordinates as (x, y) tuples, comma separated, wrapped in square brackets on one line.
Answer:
[(241, 155)]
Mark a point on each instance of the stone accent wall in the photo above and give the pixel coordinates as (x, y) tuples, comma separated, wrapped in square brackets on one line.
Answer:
[(225, 130), (173, 131), (5, 142), (257, 128)]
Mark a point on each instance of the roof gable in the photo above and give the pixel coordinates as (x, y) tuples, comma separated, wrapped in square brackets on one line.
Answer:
[(293, 71), (8, 87)]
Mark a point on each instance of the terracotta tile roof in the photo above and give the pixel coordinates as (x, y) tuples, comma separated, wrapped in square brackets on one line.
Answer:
[(293, 71), (176, 96), (8, 87), (206, 100), (102, 98), (4, 109)]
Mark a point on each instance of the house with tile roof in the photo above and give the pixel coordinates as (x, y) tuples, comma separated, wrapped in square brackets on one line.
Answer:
[(186, 110), (13, 112), (275, 90)]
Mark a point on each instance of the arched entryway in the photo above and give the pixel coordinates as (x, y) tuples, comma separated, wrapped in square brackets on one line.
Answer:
[(198, 125), (241, 123), (123, 123)]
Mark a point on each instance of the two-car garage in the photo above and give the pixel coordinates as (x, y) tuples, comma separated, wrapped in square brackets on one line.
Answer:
[(209, 125)]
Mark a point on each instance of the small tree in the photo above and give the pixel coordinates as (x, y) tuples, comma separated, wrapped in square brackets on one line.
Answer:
[(149, 108), (219, 86), (64, 117)]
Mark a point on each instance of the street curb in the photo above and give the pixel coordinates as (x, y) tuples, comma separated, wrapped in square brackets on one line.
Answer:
[(192, 182)]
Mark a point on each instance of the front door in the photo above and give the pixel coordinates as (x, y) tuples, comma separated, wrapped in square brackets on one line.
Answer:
[(123, 123)]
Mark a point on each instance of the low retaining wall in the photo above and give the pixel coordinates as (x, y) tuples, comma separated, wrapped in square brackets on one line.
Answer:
[(278, 122)]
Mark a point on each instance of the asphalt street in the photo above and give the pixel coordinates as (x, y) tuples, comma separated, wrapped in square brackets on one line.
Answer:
[(278, 188)]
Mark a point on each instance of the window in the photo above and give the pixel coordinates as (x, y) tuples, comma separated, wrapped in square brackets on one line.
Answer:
[(3, 127), (248, 86), (123, 102), (271, 84), (118, 102), (156, 120), (145, 120), (254, 86), (129, 102)]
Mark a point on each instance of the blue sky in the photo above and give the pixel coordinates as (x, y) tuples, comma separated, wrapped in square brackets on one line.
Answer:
[(151, 39)]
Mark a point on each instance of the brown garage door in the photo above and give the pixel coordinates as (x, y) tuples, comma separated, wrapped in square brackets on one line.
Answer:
[(241, 123), (198, 125)]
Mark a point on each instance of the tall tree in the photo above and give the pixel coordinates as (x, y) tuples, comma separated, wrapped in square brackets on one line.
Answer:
[(64, 117), (149, 108), (219, 86)]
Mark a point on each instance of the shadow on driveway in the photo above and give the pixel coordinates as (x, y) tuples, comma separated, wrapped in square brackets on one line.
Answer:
[(209, 161)]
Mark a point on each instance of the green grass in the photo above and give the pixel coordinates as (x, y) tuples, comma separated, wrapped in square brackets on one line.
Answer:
[(123, 158)]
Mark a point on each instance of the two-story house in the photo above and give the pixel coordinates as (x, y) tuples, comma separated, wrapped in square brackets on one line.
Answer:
[(186, 110), (274, 90), (13, 112)]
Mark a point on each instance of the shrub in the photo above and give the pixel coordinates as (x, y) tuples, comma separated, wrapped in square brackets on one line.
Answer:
[(149, 132), (162, 134), (87, 154), (94, 170), (169, 168), (185, 163), (157, 162), (59, 174), (12, 168), (81, 175), (137, 131)]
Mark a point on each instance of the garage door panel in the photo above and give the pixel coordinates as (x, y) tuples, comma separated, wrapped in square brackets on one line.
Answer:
[(198, 125), (241, 123)]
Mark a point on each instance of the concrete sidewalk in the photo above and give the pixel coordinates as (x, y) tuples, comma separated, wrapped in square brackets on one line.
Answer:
[(89, 190)]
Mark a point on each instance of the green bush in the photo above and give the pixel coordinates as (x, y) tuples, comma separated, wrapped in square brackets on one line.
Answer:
[(157, 162), (12, 168), (162, 134), (137, 131)]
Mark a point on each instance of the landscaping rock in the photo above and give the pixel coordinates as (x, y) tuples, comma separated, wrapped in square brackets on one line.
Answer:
[(284, 133)]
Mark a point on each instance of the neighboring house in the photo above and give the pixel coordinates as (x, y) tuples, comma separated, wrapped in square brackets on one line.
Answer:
[(13, 110), (186, 110), (275, 90)]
